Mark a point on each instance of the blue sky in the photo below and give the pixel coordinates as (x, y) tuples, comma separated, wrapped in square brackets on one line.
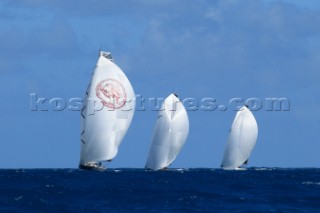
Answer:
[(219, 49)]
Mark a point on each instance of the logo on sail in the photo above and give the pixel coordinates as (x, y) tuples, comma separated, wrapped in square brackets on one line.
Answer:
[(111, 93)]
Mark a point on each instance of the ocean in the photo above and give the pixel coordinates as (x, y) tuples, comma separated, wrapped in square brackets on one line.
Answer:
[(173, 190)]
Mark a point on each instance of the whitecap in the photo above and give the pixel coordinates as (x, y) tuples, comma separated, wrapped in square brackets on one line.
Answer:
[(310, 183), (263, 169), (18, 198)]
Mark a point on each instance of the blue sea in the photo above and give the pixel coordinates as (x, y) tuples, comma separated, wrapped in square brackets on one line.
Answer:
[(173, 190)]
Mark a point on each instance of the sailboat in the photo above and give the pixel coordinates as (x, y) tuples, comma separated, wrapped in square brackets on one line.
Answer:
[(107, 112), (170, 134), (242, 139)]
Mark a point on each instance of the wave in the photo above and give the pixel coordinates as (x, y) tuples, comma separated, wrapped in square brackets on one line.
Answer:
[(264, 169), (310, 183)]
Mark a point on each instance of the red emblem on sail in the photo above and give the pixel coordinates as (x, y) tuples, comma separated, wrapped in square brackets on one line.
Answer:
[(111, 93)]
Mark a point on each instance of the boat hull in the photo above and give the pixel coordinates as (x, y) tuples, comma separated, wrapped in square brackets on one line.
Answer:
[(95, 167)]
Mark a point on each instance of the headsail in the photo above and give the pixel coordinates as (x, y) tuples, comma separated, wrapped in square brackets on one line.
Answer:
[(241, 141), (170, 134), (108, 109)]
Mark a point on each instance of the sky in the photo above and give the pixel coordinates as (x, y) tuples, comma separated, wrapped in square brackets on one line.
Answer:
[(220, 49)]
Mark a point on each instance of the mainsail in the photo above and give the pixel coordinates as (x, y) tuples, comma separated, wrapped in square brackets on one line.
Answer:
[(242, 139), (170, 134), (108, 108)]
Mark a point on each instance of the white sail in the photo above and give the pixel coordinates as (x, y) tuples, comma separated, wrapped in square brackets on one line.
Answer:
[(242, 139), (109, 105), (170, 134)]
